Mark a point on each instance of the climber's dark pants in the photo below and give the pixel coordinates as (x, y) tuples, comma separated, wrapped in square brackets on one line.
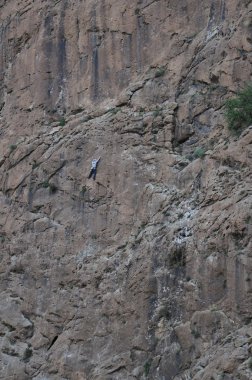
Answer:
[(92, 173)]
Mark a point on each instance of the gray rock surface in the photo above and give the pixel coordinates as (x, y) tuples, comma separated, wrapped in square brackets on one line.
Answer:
[(144, 273)]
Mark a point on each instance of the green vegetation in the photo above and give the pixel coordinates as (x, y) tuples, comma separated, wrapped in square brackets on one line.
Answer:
[(189, 157), (62, 122), (34, 164), (83, 190), (156, 112), (147, 366), (12, 147), (141, 110), (248, 219), (177, 258), (238, 110), (27, 354), (160, 72), (196, 334), (52, 188), (199, 152), (45, 184)]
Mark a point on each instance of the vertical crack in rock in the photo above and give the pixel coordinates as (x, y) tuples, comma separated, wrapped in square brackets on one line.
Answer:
[(94, 43), (142, 37), (62, 63)]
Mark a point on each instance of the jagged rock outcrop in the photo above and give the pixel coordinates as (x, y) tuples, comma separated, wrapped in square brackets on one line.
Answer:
[(144, 273)]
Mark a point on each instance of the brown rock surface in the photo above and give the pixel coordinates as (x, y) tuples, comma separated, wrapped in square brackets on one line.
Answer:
[(144, 273)]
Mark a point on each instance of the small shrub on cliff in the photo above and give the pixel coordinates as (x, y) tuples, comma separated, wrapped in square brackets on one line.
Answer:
[(52, 188), (49, 185), (199, 153), (196, 334), (12, 147), (45, 184), (83, 190), (156, 112), (62, 122), (238, 110), (160, 72), (141, 110), (34, 164), (147, 366)]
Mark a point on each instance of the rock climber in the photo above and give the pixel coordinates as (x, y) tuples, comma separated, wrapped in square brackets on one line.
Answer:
[(94, 165)]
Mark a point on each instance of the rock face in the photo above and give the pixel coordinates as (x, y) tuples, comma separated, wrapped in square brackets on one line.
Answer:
[(144, 273)]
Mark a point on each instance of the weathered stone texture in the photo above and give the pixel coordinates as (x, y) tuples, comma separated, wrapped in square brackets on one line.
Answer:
[(144, 273)]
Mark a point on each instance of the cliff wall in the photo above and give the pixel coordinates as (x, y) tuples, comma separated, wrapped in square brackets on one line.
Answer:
[(144, 273)]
